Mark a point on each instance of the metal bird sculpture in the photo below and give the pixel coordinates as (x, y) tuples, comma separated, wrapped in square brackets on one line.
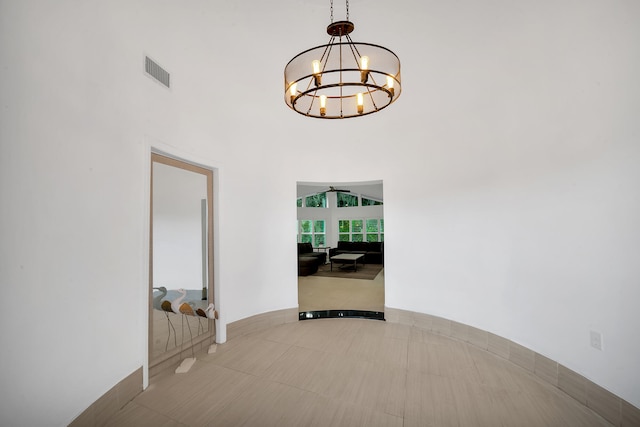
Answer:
[(165, 306), (157, 300), (208, 312), (178, 307)]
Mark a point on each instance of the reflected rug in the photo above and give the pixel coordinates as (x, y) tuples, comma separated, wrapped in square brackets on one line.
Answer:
[(365, 272)]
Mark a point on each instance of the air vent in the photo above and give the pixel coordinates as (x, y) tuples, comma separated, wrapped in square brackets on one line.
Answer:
[(156, 71)]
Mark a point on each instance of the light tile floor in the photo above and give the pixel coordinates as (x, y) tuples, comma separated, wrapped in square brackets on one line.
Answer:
[(352, 372)]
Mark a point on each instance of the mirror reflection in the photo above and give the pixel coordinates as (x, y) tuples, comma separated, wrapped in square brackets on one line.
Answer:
[(181, 303), (340, 249)]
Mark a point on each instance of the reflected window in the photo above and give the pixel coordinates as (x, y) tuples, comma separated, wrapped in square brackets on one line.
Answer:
[(312, 231), (346, 200), (370, 202), (360, 230), (316, 201)]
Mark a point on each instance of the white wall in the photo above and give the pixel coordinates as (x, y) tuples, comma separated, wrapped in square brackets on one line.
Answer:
[(524, 218), (510, 166)]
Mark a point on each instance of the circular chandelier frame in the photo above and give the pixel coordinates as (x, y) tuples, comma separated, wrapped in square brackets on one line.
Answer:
[(342, 79)]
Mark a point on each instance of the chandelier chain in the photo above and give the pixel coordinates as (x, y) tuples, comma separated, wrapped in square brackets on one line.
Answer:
[(332, 10)]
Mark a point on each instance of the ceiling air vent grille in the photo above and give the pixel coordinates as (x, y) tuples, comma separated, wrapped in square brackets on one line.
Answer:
[(156, 71)]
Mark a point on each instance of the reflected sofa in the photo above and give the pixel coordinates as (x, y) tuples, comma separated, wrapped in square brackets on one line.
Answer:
[(373, 251), (309, 260)]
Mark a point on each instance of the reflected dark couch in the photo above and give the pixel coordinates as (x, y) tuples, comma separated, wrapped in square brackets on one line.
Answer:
[(309, 260), (373, 251)]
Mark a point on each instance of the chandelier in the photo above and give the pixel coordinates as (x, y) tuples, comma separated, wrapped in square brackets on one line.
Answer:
[(343, 78)]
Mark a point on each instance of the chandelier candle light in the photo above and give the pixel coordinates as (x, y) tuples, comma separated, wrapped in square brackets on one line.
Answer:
[(343, 78)]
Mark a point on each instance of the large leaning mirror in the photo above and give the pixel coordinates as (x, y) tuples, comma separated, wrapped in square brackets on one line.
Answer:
[(340, 249), (181, 259)]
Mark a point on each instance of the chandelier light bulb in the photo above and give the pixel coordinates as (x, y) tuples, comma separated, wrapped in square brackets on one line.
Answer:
[(364, 69), (390, 85), (292, 91), (316, 72), (360, 103), (323, 105)]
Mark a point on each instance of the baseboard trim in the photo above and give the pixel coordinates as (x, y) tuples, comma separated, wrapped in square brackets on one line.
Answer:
[(111, 402), (261, 322), (612, 408)]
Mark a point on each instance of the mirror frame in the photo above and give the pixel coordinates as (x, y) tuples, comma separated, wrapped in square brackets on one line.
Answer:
[(170, 357)]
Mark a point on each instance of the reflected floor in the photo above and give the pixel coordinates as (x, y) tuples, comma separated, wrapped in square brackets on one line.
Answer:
[(332, 293)]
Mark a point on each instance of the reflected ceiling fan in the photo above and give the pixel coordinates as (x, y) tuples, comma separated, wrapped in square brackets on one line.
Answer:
[(333, 189)]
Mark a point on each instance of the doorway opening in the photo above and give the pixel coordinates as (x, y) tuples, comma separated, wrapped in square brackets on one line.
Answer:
[(340, 250)]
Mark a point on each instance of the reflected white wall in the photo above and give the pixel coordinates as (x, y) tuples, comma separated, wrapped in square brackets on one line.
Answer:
[(177, 227)]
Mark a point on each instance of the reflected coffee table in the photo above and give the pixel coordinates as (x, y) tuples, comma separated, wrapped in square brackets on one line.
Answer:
[(348, 259)]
